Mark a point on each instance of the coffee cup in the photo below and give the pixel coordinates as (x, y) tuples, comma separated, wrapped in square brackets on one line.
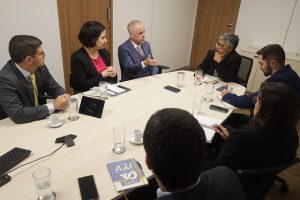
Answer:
[(54, 119)]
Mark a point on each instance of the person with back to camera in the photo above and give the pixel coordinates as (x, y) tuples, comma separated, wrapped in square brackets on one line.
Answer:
[(174, 143), (223, 62), (91, 63), (135, 56), (271, 137)]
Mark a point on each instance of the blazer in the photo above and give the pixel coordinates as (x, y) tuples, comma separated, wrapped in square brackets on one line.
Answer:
[(227, 69), (16, 95), (254, 147), (84, 74), (130, 61), (217, 184), (285, 75)]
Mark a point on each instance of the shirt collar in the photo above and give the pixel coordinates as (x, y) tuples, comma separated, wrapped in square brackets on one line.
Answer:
[(23, 71), (135, 45), (160, 193)]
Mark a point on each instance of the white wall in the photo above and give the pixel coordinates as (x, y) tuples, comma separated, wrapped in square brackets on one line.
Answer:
[(261, 22), (169, 26), (32, 17)]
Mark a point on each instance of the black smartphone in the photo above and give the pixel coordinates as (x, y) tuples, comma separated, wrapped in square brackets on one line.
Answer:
[(222, 88), (171, 88), (88, 188), (218, 108), (123, 87)]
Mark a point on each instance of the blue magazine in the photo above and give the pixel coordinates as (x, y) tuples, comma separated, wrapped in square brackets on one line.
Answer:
[(126, 174)]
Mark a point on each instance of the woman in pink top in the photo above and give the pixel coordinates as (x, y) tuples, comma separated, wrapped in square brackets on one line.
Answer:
[(91, 63)]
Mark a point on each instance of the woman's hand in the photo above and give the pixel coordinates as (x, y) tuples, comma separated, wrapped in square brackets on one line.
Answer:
[(222, 131)]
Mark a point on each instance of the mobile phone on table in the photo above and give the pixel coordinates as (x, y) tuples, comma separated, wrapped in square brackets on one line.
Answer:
[(172, 89), (218, 108), (88, 188)]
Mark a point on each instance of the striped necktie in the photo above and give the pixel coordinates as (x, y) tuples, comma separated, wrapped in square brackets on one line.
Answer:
[(140, 50), (32, 80)]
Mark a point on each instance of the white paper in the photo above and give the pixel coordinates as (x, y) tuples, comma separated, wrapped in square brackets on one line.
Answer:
[(115, 89), (206, 123)]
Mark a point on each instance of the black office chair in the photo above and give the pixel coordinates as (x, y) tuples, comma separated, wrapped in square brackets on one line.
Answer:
[(256, 182), (245, 70)]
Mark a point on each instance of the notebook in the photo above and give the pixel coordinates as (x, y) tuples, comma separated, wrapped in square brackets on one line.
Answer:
[(127, 174), (206, 123)]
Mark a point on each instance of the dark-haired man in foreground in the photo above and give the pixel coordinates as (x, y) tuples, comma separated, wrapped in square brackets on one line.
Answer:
[(175, 149)]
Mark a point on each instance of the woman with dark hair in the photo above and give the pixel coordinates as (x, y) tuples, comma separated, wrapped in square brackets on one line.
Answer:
[(91, 63), (271, 137), (223, 61)]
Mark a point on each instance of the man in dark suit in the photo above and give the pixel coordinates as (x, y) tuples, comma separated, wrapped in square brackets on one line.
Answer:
[(135, 56), (25, 79), (175, 149)]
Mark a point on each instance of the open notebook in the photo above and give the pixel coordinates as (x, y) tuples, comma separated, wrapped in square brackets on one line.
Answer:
[(206, 123)]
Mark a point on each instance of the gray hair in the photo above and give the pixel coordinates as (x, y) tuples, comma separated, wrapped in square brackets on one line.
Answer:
[(132, 23), (230, 39)]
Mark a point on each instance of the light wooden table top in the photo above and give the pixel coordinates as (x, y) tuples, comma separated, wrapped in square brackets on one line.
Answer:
[(93, 149)]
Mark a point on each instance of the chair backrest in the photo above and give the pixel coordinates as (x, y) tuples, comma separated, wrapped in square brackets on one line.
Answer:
[(257, 181), (245, 70)]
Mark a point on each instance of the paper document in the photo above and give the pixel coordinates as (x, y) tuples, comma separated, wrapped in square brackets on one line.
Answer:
[(115, 89), (206, 123)]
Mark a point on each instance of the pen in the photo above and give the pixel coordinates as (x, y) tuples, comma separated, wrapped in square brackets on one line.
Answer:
[(222, 101)]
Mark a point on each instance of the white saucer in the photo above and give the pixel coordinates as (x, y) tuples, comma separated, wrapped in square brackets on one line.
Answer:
[(51, 125), (132, 140), (91, 93)]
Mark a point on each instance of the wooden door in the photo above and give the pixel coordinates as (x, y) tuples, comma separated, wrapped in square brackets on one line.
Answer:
[(72, 14), (214, 17)]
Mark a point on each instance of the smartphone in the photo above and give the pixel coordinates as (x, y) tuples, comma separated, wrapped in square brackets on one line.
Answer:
[(222, 88), (218, 108), (172, 89), (88, 188)]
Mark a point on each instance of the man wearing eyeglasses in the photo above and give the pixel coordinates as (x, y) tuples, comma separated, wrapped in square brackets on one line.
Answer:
[(223, 61), (25, 79)]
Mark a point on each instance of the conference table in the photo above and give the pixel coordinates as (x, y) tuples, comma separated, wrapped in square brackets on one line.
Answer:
[(93, 145)]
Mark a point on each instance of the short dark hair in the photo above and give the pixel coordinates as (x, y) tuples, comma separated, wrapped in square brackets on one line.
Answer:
[(278, 107), (21, 46), (273, 52), (89, 33), (175, 145)]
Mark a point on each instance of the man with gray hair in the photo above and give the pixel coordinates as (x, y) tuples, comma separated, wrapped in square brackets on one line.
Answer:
[(135, 56), (223, 61)]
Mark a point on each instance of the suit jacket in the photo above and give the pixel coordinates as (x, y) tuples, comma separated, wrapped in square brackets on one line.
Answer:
[(254, 147), (84, 74), (16, 95), (217, 184), (130, 61), (227, 69), (285, 75)]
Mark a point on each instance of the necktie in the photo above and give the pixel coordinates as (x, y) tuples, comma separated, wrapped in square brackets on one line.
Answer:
[(140, 50), (34, 88)]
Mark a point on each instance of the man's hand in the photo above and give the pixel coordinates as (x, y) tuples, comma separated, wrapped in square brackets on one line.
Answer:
[(61, 102), (150, 61), (225, 91), (219, 57)]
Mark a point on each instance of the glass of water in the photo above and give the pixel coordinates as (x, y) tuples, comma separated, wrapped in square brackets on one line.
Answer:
[(42, 180), (198, 76), (119, 139)]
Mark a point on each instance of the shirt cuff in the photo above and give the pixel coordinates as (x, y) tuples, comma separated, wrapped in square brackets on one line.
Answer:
[(143, 65), (50, 107)]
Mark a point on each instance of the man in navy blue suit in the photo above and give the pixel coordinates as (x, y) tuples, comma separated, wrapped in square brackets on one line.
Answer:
[(135, 56)]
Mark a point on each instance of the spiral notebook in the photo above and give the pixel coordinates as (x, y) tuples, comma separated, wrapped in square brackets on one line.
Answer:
[(206, 123)]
